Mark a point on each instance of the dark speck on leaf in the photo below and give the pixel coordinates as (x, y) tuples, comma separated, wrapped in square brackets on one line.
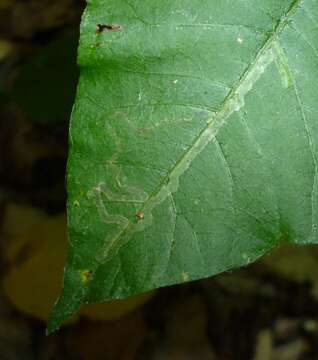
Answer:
[(108, 27), (140, 215)]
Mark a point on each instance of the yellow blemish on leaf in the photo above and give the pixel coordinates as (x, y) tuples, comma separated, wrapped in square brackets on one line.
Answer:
[(185, 276), (86, 275)]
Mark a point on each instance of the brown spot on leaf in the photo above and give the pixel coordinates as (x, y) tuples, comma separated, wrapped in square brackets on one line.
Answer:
[(108, 27), (86, 275), (140, 215)]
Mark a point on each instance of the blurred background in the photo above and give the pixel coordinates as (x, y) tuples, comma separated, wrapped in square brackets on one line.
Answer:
[(266, 311)]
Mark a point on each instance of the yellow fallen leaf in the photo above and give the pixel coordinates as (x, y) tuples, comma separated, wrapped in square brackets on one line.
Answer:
[(33, 282), (37, 258), (4, 4), (6, 47), (297, 263)]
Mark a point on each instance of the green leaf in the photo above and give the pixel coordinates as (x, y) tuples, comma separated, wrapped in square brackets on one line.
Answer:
[(194, 142)]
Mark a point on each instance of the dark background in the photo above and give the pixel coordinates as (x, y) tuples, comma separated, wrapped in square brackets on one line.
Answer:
[(267, 311)]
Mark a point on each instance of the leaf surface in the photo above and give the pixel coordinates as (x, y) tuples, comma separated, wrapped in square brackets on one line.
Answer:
[(194, 142)]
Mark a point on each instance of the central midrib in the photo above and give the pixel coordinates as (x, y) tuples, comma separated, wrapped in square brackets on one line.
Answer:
[(167, 180)]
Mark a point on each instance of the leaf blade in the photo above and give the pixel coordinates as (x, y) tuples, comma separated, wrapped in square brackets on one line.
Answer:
[(202, 235)]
